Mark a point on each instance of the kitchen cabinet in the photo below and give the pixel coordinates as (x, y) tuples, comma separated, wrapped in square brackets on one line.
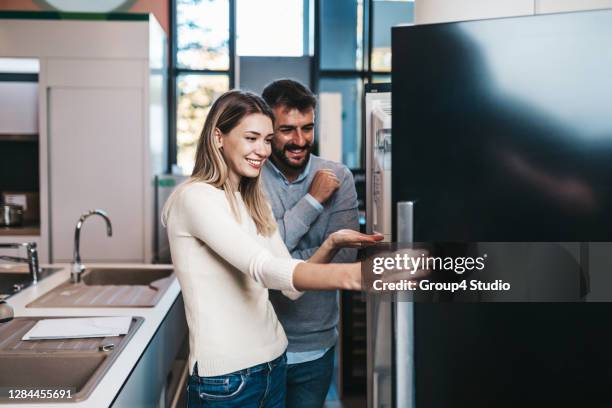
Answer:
[(84, 122), (102, 127)]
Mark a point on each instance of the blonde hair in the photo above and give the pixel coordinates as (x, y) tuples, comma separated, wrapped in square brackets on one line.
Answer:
[(210, 166)]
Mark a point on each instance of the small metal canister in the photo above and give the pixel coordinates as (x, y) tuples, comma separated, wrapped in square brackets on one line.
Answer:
[(11, 215)]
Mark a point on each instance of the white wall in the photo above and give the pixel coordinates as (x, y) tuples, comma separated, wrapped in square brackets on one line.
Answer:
[(438, 11), (555, 6)]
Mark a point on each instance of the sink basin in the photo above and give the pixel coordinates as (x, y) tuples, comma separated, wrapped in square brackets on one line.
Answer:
[(13, 282), (110, 276), (75, 366), (111, 287)]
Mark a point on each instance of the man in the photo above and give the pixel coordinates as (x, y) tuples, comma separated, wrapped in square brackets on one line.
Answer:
[(311, 198)]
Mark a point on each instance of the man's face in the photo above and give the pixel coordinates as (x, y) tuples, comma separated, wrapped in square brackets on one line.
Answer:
[(293, 136)]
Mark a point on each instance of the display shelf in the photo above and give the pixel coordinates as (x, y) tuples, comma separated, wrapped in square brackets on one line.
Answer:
[(29, 229), (19, 137)]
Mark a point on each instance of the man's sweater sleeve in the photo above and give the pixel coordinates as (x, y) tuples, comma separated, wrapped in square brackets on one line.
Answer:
[(296, 221), (344, 215), (209, 219)]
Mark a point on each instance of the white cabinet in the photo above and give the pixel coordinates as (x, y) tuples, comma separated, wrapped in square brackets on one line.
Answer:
[(95, 161), (102, 121)]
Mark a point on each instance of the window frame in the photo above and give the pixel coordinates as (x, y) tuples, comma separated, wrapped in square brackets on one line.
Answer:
[(175, 72)]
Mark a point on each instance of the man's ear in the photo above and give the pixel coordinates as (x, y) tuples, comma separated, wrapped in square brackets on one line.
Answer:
[(218, 138)]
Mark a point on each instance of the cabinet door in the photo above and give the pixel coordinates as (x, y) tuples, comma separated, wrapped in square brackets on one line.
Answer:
[(96, 161)]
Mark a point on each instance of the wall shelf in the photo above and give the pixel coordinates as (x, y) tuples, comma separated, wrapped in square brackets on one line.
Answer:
[(19, 137), (29, 229)]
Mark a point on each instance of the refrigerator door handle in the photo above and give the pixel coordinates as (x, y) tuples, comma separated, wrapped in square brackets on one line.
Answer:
[(405, 221), (403, 324)]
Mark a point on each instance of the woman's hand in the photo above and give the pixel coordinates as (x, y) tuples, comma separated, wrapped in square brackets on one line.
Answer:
[(347, 238)]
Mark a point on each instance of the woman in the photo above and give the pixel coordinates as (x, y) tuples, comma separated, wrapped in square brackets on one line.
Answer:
[(227, 251)]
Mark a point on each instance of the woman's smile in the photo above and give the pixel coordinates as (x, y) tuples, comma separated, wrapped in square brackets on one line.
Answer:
[(255, 163)]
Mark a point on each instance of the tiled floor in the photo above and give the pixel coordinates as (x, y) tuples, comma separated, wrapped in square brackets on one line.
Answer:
[(332, 400), (347, 403)]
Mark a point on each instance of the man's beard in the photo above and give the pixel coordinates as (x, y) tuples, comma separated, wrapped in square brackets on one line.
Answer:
[(279, 154)]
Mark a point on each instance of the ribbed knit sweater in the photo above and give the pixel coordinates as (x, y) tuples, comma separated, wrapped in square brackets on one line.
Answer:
[(224, 268)]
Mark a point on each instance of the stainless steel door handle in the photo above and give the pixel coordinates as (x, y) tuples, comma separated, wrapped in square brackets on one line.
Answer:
[(404, 320)]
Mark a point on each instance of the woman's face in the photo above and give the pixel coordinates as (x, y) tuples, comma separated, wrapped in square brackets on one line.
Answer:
[(247, 146)]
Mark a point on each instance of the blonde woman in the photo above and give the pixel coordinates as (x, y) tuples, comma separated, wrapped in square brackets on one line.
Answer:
[(227, 251)]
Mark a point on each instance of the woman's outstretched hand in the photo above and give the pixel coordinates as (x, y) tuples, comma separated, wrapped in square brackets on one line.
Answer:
[(347, 238)]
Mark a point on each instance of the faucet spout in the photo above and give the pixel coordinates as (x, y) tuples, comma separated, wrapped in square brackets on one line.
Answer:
[(31, 260), (77, 266)]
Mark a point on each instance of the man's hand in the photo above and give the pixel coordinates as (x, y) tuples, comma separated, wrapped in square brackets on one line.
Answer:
[(324, 185)]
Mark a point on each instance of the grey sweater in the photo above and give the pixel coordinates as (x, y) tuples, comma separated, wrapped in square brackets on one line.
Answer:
[(310, 322)]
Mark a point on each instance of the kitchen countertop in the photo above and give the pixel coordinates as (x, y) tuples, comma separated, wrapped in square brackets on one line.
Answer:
[(106, 390)]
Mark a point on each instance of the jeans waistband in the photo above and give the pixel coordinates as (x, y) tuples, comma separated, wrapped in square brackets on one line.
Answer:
[(269, 365), (259, 367)]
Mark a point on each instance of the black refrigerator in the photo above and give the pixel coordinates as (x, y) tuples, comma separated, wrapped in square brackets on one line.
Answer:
[(501, 133)]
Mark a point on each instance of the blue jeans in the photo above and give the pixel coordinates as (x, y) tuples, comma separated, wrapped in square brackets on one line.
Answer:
[(263, 385), (308, 383)]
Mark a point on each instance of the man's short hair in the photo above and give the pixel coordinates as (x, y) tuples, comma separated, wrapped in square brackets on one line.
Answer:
[(290, 94)]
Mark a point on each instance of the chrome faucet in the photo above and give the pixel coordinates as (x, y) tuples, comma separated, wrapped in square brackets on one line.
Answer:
[(77, 266), (31, 260)]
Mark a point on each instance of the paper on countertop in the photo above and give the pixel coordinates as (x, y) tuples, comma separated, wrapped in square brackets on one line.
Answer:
[(76, 328)]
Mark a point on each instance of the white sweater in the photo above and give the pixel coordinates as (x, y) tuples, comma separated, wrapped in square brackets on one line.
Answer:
[(224, 269)]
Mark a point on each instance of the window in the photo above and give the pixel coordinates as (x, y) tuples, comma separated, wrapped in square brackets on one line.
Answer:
[(203, 34), (386, 15), (353, 48), (196, 95), (202, 70), (341, 32), (350, 90), (260, 31)]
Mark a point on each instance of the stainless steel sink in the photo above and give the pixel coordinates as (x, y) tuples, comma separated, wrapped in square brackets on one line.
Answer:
[(13, 282), (110, 276), (75, 366), (111, 287)]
